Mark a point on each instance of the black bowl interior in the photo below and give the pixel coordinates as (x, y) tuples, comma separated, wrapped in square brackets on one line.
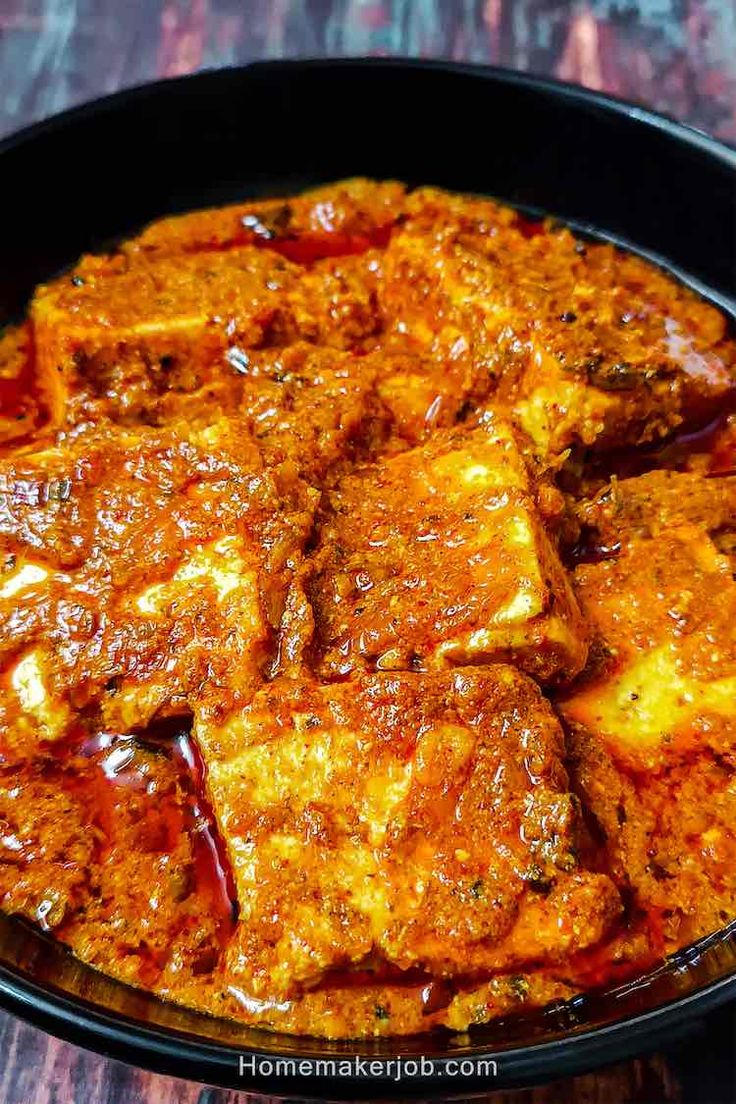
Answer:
[(100, 172)]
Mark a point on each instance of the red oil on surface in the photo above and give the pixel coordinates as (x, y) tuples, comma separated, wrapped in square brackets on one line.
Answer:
[(308, 248), (710, 447), (119, 767), (529, 227), (590, 549), (717, 438), (214, 873)]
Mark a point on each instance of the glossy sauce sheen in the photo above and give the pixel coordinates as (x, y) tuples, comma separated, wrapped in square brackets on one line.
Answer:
[(361, 671)]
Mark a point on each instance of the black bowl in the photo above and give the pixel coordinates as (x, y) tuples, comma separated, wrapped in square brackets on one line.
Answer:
[(99, 172)]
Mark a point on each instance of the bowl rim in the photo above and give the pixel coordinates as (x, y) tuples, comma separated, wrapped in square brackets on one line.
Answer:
[(173, 1051), (566, 90)]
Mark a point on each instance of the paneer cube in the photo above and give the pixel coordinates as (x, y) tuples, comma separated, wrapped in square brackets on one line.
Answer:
[(652, 724), (142, 572), (660, 500), (317, 408), (439, 556), (422, 394), (127, 333), (421, 818), (663, 677), (585, 345), (146, 340)]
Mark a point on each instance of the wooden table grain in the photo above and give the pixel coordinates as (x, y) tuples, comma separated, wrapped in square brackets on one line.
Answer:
[(678, 56)]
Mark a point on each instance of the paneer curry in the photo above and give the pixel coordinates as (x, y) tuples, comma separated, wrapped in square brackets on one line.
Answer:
[(368, 612)]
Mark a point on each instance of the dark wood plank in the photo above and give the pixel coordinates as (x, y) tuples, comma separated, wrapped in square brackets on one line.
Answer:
[(676, 55)]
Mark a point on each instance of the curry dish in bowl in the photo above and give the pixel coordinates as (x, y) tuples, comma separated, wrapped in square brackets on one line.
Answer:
[(368, 612)]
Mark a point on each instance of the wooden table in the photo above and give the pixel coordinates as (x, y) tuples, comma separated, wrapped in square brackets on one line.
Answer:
[(676, 55)]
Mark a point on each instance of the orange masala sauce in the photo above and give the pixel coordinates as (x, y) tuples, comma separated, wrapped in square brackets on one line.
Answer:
[(367, 606)]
